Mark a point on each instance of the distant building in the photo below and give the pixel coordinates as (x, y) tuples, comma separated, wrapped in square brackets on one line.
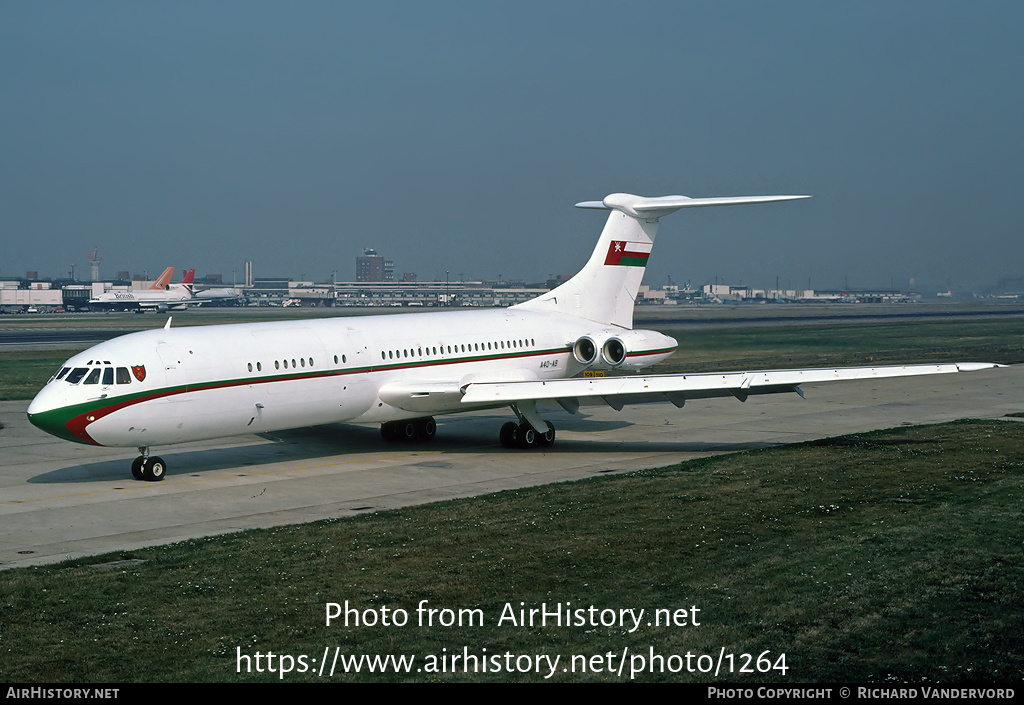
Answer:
[(371, 267)]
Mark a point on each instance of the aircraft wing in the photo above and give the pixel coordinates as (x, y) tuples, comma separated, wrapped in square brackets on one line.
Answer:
[(619, 391)]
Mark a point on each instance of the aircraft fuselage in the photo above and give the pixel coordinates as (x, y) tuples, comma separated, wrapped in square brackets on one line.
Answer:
[(192, 383)]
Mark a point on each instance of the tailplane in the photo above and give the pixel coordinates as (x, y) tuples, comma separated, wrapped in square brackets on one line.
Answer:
[(605, 290)]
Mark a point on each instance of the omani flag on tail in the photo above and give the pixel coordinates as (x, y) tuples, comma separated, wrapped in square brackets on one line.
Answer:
[(628, 254)]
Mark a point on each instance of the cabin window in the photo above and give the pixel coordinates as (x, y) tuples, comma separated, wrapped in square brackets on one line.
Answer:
[(108, 376), (310, 362), (76, 375), (302, 361), (277, 364), (343, 358), (335, 359), (259, 366), (293, 363), (286, 364), (94, 377), (122, 376), (250, 367)]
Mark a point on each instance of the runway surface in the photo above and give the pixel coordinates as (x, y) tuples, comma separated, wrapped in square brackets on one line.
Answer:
[(61, 500)]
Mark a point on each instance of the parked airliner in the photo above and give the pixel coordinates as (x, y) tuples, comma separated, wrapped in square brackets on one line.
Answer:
[(165, 297), (173, 385)]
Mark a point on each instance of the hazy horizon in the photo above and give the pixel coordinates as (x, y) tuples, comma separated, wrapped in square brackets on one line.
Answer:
[(457, 137)]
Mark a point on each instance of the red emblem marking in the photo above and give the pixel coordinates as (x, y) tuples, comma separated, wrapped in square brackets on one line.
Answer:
[(139, 371)]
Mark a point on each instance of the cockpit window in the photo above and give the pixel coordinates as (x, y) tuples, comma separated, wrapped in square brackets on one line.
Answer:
[(60, 374), (94, 377), (76, 375), (122, 376), (108, 375)]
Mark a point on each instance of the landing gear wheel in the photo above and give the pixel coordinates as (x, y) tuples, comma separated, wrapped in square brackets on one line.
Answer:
[(154, 469), (526, 436), (137, 468), (548, 437), (407, 431), (426, 428), (421, 429), (507, 434)]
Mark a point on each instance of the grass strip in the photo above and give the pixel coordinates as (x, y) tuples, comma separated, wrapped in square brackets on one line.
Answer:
[(892, 556)]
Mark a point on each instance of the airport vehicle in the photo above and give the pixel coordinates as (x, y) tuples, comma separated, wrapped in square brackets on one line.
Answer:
[(169, 297), (192, 383)]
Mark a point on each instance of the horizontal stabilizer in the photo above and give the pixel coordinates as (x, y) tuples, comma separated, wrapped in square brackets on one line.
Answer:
[(651, 208)]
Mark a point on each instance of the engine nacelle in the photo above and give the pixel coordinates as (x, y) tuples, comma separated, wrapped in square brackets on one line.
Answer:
[(585, 350), (629, 348)]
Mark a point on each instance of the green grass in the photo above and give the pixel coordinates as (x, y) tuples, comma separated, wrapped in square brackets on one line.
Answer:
[(24, 372), (764, 347), (889, 556)]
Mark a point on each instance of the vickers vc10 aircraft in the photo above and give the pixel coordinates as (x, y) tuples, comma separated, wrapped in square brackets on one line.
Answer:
[(173, 385)]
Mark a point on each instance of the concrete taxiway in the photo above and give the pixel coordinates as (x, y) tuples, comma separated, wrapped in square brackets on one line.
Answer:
[(60, 500)]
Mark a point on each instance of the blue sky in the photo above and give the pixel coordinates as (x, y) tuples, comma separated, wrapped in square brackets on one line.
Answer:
[(456, 136)]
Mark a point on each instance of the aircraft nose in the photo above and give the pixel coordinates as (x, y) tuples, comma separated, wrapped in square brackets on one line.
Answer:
[(47, 413)]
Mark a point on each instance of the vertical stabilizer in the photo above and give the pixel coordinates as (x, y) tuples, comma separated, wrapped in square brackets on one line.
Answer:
[(163, 280), (186, 282), (605, 290)]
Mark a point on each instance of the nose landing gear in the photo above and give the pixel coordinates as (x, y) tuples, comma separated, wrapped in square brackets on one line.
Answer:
[(148, 468)]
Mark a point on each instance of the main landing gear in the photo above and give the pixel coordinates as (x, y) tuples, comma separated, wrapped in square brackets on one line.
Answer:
[(522, 435), (148, 468), (423, 429), (512, 435)]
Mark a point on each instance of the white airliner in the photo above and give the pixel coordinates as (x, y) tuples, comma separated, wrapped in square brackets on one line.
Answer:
[(173, 385), (166, 297)]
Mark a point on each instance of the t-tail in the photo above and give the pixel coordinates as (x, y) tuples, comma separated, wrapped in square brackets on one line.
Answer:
[(605, 290)]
